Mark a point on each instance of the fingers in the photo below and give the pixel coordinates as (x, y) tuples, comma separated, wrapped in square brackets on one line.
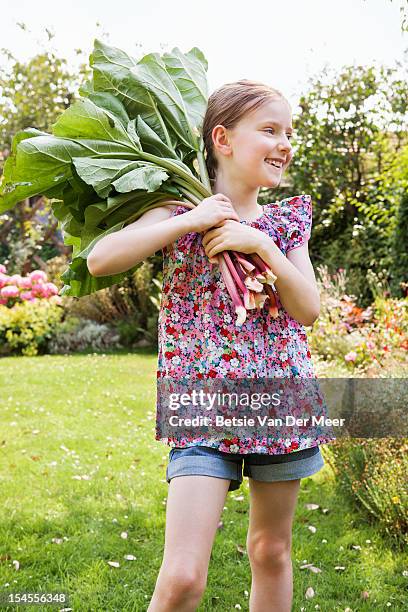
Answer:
[(222, 197)]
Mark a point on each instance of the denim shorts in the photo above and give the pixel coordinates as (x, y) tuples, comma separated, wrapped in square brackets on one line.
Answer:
[(206, 461)]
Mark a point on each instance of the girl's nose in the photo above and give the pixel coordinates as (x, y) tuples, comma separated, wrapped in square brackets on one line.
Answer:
[(285, 144)]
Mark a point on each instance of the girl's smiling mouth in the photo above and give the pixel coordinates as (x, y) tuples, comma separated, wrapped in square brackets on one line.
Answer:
[(275, 163)]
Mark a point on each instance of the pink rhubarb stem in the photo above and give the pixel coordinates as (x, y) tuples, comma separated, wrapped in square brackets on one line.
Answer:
[(265, 270), (240, 309), (244, 261), (240, 285), (273, 306)]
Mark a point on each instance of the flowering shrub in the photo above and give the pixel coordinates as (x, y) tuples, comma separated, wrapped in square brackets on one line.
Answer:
[(16, 289), (27, 327), (357, 337)]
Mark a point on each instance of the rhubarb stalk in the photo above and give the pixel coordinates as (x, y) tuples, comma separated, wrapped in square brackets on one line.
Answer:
[(240, 309), (240, 285), (273, 306)]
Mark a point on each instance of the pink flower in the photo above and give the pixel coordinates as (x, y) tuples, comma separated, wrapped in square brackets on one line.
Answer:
[(370, 345), (26, 295), (4, 279), (3, 301), (2, 269), (52, 289), (25, 282), (39, 290), (15, 279), (9, 291), (38, 276), (351, 356)]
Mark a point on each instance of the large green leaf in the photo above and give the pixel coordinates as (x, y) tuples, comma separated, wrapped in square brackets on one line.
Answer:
[(146, 177), (102, 172), (84, 119), (150, 141), (40, 164), (188, 71), (112, 73), (106, 100)]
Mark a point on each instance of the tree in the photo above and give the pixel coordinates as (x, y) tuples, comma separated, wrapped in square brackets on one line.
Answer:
[(350, 133)]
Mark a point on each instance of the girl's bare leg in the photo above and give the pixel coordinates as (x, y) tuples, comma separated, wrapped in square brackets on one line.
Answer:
[(269, 543), (194, 506)]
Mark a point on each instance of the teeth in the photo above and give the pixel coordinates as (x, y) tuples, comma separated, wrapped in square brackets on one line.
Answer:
[(274, 163)]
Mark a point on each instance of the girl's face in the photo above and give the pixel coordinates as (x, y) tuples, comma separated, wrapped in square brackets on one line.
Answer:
[(259, 138)]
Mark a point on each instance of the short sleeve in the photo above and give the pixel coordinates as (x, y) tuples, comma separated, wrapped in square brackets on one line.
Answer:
[(177, 210), (299, 221)]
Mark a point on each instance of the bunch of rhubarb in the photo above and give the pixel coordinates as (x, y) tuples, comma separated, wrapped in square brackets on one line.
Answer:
[(130, 143), (249, 281)]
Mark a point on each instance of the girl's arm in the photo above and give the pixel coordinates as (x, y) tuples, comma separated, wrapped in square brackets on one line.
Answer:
[(122, 250), (296, 282)]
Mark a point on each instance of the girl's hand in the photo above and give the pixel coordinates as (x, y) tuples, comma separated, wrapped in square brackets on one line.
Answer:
[(210, 212), (232, 236)]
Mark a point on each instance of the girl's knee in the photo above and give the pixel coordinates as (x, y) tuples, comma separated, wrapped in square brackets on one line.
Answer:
[(182, 582), (268, 551)]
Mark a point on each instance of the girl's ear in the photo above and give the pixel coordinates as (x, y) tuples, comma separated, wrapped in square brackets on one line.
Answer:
[(221, 140)]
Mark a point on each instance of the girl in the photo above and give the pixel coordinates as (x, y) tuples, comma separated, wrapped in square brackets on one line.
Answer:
[(246, 131)]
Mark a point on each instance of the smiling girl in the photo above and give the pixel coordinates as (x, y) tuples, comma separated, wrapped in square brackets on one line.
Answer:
[(247, 130)]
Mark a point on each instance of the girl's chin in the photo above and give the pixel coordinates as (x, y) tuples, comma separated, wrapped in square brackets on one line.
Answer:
[(272, 181)]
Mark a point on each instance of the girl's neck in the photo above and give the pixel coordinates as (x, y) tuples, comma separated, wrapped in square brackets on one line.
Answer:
[(244, 199)]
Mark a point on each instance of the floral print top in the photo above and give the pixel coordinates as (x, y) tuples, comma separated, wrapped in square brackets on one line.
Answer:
[(198, 337)]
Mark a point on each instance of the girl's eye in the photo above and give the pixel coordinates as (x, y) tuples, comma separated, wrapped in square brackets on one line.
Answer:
[(272, 130)]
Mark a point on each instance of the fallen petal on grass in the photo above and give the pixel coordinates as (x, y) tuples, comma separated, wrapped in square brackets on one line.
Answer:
[(309, 593), (312, 568)]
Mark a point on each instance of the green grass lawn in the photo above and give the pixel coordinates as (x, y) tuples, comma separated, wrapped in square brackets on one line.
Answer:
[(79, 466)]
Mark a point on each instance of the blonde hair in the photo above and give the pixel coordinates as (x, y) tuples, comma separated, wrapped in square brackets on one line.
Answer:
[(227, 105)]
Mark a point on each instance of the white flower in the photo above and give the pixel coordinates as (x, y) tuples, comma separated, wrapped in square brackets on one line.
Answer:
[(283, 356), (234, 448), (207, 333), (234, 362), (182, 275), (227, 318), (207, 295), (206, 318), (175, 316), (175, 360)]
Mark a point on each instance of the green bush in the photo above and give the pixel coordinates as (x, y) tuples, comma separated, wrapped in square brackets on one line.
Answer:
[(27, 328), (374, 473), (75, 334)]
